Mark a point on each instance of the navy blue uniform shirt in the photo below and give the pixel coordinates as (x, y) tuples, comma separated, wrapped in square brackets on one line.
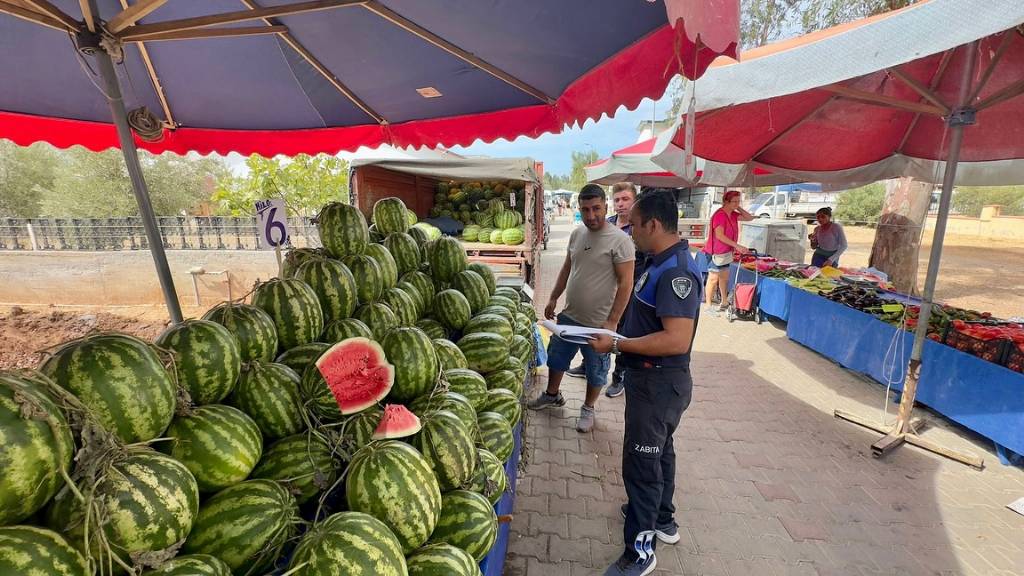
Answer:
[(670, 286)]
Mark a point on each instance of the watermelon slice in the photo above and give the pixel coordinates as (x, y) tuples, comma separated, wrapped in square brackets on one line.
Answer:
[(357, 373), (397, 422)]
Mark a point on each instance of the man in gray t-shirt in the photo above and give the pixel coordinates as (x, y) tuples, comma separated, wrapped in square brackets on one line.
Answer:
[(596, 277)]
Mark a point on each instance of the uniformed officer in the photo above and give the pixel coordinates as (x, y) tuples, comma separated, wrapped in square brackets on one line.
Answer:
[(658, 331)]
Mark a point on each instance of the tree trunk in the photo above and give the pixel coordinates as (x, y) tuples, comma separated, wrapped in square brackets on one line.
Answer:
[(898, 238)]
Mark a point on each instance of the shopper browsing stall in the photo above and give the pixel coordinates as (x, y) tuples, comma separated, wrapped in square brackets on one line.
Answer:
[(723, 240), (828, 240)]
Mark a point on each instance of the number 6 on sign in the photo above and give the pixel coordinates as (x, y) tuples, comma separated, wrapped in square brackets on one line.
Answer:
[(271, 224)]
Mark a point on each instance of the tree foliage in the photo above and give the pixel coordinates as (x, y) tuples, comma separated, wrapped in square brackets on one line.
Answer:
[(862, 204), (304, 182), (577, 176), (969, 200), (24, 174)]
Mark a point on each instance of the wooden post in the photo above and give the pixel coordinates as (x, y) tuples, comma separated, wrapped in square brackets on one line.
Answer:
[(898, 238)]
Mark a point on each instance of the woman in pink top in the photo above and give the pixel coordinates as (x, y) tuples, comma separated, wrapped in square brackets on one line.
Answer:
[(725, 232)]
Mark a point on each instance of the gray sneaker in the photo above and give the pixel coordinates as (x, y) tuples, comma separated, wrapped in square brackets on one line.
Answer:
[(626, 567), (577, 372), (667, 533), (545, 400), (615, 389), (586, 421)]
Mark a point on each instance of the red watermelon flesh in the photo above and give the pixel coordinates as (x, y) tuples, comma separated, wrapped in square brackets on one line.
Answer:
[(357, 372), (397, 422)]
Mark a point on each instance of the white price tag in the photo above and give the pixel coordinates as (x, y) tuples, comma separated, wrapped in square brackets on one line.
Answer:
[(271, 224), (512, 199)]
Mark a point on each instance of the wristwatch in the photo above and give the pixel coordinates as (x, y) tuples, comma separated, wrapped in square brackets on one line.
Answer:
[(615, 346)]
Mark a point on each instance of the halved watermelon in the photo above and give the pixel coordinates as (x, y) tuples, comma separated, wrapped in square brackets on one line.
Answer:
[(357, 373), (397, 422)]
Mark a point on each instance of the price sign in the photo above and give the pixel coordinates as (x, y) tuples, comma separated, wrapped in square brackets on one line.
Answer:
[(271, 224)]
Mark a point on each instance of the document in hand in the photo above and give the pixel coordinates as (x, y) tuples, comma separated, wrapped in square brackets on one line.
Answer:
[(576, 334)]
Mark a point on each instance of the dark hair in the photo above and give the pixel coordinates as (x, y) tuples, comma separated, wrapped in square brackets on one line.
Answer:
[(826, 211), (591, 191), (659, 205)]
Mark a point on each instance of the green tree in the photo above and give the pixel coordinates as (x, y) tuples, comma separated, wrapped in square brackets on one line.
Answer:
[(578, 176), (862, 204), (969, 200), (554, 181), (25, 173), (304, 182)]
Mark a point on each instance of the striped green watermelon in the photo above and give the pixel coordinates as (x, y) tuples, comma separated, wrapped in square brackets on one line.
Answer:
[(527, 310), (500, 311), (486, 273), (120, 379), (433, 232), (219, 444), (484, 352), (485, 234), (254, 329), (495, 433), (405, 251), (344, 329), (294, 258), (295, 309), (452, 308), (484, 219), (442, 560), (245, 525), (349, 543), (489, 477), (420, 236), (447, 444), (447, 258), (496, 236), (507, 292), (448, 355), (506, 220), (468, 522), (504, 402), (386, 262), (391, 481), (490, 324), (505, 379), (411, 351), (516, 365), (411, 217), (506, 303), (206, 358), (149, 502), (472, 287), (369, 277), (333, 284), (401, 304), (524, 328), (468, 383), (304, 463), (360, 427), (31, 551), (192, 565), (375, 235), (424, 285), (414, 293), (470, 233), (343, 230), (451, 401), (304, 354), (433, 328), (378, 317), (522, 348), (389, 215), (350, 377), (513, 236), (269, 394), (35, 445)]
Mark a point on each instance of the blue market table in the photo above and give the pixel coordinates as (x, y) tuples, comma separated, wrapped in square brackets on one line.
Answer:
[(773, 294)]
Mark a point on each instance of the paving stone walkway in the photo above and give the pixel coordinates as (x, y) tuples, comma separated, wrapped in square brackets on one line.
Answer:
[(768, 481)]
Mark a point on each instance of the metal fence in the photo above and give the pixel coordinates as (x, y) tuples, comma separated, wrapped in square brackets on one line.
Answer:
[(176, 232)]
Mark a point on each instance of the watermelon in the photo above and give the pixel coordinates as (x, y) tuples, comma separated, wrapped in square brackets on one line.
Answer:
[(360, 427), (496, 236), (500, 311), (192, 565), (433, 232), (386, 262), (138, 492), (468, 383), (405, 251), (452, 308), (513, 364), (378, 317), (206, 358), (421, 237), (451, 401), (442, 560), (505, 379), (254, 329), (31, 550), (349, 543), (507, 292), (369, 277), (467, 521), (485, 220), (485, 272), (489, 477), (432, 328), (333, 284), (414, 294), (522, 349), (504, 302), (512, 237), (485, 352), (506, 220), (294, 258), (393, 482), (470, 233), (424, 285), (525, 328), (416, 368), (120, 379), (488, 324), (35, 445), (396, 422), (485, 234), (304, 463), (350, 377), (447, 445), (504, 402), (343, 230), (449, 355), (527, 310), (344, 329), (447, 258), (472, 287), (269, 394), (375, 235), (245, 525), (219, 444), (495, 433), (303, 355), (295, 309), (389, 215), (401, 304)]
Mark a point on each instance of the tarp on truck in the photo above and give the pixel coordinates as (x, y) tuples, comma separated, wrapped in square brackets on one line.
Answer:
[(458, 168)]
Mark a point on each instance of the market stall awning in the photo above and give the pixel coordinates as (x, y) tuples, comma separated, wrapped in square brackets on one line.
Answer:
[(277, 77), (868, 100)]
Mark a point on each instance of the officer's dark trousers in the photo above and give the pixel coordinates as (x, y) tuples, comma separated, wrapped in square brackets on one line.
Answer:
[(655, 401)]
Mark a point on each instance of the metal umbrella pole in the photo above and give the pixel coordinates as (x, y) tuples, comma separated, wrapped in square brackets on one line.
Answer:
[(112, 90)]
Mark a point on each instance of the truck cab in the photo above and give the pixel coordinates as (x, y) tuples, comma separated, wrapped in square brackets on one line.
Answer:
[(800, 201)]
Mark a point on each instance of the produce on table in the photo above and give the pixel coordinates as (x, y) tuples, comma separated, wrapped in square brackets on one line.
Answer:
[(295, 257), (386, 262), (396, 422), (378, 317), (350, 543), (333, 284), (390, 216), (269, 394), (207, 359), (467, 383), (504, 402), (447, 444), (467, 521), (448, 354), (220, 445), (485, 352), (447, 258), (442, 560), (452, 402), (35, 550), (355, 373), (254, 329), (295, 309), (495, 433), (402, 305), (343, 230), (303, 355), (405, 250), (489, 478), (370, 278)]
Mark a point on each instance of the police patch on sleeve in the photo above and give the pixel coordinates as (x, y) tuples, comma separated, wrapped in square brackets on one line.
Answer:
[(682, 286), (640, 283)]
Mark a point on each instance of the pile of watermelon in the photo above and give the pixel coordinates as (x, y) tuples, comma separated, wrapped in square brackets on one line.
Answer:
[(486, 208), (354, 418)]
